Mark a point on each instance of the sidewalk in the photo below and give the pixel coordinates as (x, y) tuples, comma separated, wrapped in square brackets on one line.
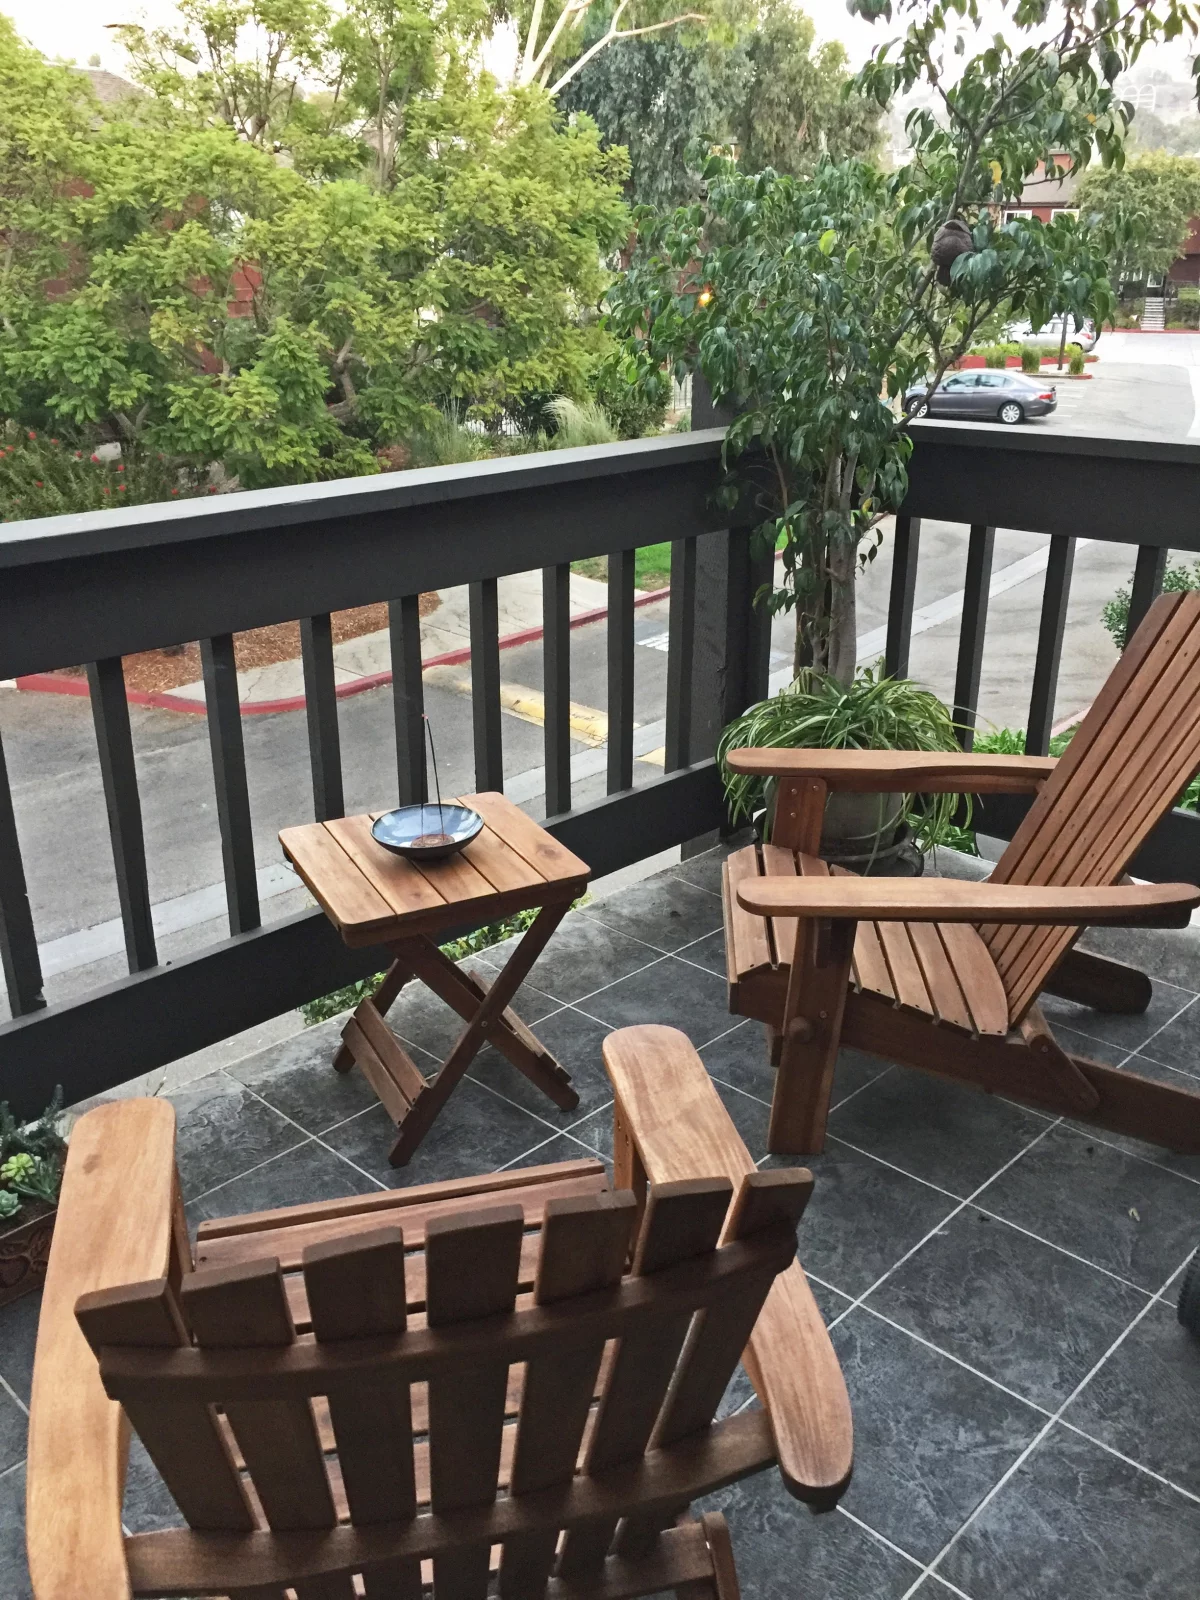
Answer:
[(365, 663)]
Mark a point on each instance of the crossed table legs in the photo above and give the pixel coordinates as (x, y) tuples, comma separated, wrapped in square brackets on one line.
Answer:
[(412, 1100)]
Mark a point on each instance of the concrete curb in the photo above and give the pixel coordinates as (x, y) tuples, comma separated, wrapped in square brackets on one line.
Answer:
[(57, 683)]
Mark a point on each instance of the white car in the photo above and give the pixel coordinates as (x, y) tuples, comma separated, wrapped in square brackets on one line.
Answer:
[(1050, 333)]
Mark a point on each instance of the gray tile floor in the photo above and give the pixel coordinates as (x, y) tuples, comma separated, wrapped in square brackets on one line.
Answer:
[(999, 1284)]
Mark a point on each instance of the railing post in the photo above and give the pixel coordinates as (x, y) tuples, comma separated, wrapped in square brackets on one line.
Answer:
[(905, 545), (18, 942), (621, 570), (971, 634), (732, 635), (483, 607), (320, 705), (1050, 641), (114, 745), (408, 699), (556, 676), (229, 781), (1148, 571)]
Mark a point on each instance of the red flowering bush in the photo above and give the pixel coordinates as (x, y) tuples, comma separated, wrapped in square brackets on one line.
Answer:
[(42, 477)]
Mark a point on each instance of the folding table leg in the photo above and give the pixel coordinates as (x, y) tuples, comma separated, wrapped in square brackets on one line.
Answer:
[(480, 1027), (395, 978), (466, 993)]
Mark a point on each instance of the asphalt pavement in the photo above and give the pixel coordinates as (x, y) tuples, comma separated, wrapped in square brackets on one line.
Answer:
[(1144, 384)]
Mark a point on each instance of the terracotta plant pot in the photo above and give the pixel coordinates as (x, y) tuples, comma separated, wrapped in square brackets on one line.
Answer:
[(25, 1249)]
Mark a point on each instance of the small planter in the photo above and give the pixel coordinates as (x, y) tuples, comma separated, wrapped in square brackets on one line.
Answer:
[(25, 1249)]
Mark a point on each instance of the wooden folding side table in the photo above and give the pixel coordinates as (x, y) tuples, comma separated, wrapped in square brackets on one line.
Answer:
[(374, 897)]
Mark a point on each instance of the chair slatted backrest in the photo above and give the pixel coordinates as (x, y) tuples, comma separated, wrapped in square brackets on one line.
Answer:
[(328, 1404), (1135, 751)]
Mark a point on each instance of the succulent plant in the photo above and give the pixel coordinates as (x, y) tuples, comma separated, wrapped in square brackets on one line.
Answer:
[(10, 1204)]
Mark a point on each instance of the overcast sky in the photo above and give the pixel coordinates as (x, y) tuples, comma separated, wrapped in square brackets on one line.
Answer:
[(75, 29)]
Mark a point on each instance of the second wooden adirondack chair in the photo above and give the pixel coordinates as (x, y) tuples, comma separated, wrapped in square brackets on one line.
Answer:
[(945, 975), (363, 1396)]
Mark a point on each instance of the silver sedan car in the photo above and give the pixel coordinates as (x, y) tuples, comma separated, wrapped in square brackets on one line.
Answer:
[(985, 395)]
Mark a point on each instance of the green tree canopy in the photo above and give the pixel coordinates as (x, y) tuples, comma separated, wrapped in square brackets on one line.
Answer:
[(224, 269), (1157, 195), (755, 84), (812, 305)]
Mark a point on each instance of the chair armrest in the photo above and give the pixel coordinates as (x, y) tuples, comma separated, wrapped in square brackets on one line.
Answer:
[(898, 771), (114, 1226), (1164, 905), (668, 1106)]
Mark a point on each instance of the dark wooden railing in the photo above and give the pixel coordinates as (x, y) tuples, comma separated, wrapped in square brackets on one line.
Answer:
[(97, 587)]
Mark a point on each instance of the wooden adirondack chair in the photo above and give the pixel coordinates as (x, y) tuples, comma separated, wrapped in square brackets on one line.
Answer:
[(945, 975), (334, 1394)]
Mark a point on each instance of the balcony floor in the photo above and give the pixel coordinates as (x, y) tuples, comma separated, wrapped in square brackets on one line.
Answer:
[(1000, 1285)]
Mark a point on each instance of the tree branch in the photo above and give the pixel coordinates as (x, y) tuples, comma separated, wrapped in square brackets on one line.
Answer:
[(623, 33)]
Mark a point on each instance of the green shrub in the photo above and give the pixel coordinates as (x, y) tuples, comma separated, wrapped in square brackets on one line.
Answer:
[(445, 442), (42, 475), (1031, 359), (627, 408), (580, 423), (1115, 615), (995, 356), (996, 742), (1075, 366)]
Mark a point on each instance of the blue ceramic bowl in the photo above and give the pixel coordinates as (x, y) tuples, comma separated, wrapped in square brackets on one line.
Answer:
[(426, 833)]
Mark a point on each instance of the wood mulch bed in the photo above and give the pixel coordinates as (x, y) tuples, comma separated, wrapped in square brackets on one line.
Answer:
[(157, 671)]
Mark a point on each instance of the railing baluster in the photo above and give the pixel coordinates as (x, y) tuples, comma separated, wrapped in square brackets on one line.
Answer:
[(485, 685), (320, 702), (905, 546), (971, 634), (681, 653), (229, 780), (620, 670), (114, 741), (556, 677), (1148, 572), (18, 942), (1050, 639), (408, 699)]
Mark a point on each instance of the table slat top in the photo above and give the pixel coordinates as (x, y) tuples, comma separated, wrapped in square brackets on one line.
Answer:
[(370, 894)]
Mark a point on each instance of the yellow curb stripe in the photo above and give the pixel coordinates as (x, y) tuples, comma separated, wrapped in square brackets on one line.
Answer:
[(589, 725)]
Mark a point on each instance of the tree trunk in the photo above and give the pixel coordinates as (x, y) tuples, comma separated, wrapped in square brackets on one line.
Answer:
[(843, 619)]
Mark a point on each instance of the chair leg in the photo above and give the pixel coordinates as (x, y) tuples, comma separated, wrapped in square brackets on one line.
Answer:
[(725, 1578), (811, 1036), (1100, 982)]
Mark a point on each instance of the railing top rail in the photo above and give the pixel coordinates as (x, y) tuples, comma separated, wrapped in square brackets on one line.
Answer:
[(1052, 442), (138, 527)]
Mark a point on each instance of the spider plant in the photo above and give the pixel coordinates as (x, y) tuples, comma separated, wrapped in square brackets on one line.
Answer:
[(818, 713)]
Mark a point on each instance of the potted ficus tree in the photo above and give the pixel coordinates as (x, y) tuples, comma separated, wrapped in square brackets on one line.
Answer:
[(811, 306)]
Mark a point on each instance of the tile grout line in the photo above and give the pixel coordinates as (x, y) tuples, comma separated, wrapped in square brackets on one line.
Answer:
[(875, 1534), (4, 1384), (976, 1372), (1153, 1034), (1024, 1455), (1130, 1461), (924, 1240)]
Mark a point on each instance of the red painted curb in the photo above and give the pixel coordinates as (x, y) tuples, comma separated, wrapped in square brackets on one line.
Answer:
[(56, 683)]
